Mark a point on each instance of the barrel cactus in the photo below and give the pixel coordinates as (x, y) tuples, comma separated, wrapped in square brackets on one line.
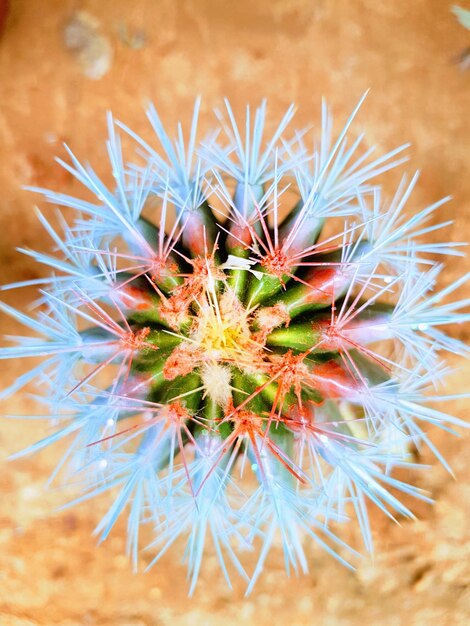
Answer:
[(240, 339)]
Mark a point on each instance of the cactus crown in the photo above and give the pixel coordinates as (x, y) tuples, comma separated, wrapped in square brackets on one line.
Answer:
[(202, 323)]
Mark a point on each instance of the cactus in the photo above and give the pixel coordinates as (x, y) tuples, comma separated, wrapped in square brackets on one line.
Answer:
[(241, 306)]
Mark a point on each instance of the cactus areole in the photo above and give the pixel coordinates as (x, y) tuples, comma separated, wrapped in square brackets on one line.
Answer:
[(240, 305)]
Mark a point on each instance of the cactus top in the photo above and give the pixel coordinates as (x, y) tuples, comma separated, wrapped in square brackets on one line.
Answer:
[(239, 305)]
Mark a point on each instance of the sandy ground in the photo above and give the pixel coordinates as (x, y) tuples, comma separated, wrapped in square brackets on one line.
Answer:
[(56, 87)]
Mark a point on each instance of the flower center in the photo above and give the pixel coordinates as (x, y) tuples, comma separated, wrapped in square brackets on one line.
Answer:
[(221, 327)]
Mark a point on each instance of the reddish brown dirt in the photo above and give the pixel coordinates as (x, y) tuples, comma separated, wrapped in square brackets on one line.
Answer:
[(51, 572)]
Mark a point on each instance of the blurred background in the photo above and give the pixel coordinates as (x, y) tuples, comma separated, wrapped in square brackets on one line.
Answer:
[(63, 64)]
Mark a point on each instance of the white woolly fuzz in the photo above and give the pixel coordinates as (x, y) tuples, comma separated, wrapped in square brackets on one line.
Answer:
[(216, 381)]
